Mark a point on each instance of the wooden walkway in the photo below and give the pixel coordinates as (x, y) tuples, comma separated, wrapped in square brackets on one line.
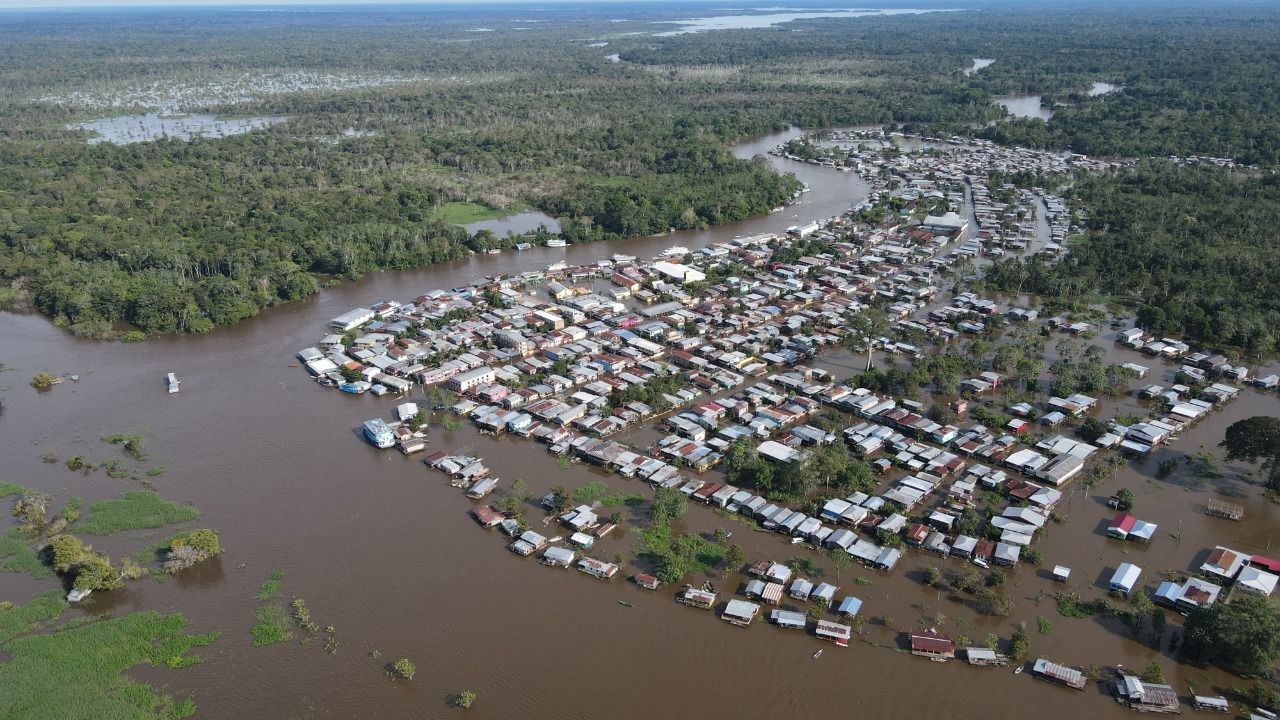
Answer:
[(1230, 511)]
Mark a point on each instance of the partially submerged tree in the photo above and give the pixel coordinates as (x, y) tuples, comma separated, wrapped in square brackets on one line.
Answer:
[(190, 549), (1256, 439), (1242, 636)]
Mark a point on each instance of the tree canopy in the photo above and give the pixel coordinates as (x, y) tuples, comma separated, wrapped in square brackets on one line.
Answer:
[(1242, 636)]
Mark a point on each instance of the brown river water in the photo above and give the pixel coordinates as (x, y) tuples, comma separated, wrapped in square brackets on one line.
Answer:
[(381, 547)]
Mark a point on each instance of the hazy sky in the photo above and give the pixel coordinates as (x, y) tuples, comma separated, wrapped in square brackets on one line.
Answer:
[(7, 4)]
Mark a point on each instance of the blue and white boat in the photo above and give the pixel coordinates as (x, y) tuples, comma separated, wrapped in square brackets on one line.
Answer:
[(378, 433), (358, 387), (173, 381)]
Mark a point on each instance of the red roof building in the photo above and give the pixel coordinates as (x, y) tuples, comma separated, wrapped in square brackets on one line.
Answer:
[(933, 644)]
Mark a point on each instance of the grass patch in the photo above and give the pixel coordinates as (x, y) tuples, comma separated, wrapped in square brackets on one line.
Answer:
[(24, 618), (862, 581), (8, 488), (1070, 605), (622, 499), (590, 492), (676, 555), (76, 671), (132, 444), (272, 627), (17, 555), (155, 471), (271, 587), (464, 213), (598, 491), (151, 553), (1043, 624), (133, 510)]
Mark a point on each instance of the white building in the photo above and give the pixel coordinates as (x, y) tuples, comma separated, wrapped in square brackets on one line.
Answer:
[(679, 273), (472, 379)]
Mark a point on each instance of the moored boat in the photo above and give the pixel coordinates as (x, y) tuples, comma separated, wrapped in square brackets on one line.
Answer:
[(378, 433)]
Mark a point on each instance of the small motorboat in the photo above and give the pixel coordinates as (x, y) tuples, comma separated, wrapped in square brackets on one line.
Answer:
[(817, 655), (1017, 671)]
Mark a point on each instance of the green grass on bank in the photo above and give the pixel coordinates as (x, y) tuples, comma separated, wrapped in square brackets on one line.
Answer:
[(133, 510), (8, 488), (23, 618), (76, 671), (18, 555), (464, 213)]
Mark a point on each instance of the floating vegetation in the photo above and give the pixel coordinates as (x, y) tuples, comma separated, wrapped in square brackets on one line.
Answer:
[(272, 626), (8, 488), (77, 671), (404, 668), (77, 462), (44, 381), (271, 587), (302, 616), (133, 510), (132, 444), (17, 620)]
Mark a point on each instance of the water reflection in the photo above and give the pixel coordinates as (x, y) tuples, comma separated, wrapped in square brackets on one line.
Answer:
[(145, 127)]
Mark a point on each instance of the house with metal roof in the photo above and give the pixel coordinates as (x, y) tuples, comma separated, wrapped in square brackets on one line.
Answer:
[(849, 607), (933, 645), (788, 619), (740, 612), (801, 589), (833, 632), (1145, 697), (1125, 578), (558, 557), (1223, 563), (824, 591), (1060, 674), (1256, 581)]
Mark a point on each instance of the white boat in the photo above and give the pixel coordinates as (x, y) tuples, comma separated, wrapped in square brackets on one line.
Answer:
[(77, 595), (624, 258), (675, 251), (556, 243), (817, 655), (174, 382), (379, 434)]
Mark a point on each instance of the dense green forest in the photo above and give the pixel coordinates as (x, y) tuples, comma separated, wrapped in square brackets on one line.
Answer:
[(1193, 247), (395, 112)]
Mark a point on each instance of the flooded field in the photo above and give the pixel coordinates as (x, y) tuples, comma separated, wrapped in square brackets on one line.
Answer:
[(1024, 106), (516, 223), (978, 64), (772, 19), (173, 94), (1101, 88), (147, 127), (381, 547)]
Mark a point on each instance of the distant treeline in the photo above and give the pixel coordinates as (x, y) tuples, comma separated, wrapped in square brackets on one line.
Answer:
[(182, 236), (1193, 247)]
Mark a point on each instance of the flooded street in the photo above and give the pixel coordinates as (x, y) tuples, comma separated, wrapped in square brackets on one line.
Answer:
[(381, 547)]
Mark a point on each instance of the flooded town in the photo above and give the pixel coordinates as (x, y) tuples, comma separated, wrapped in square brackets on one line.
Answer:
[(833, 394)]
